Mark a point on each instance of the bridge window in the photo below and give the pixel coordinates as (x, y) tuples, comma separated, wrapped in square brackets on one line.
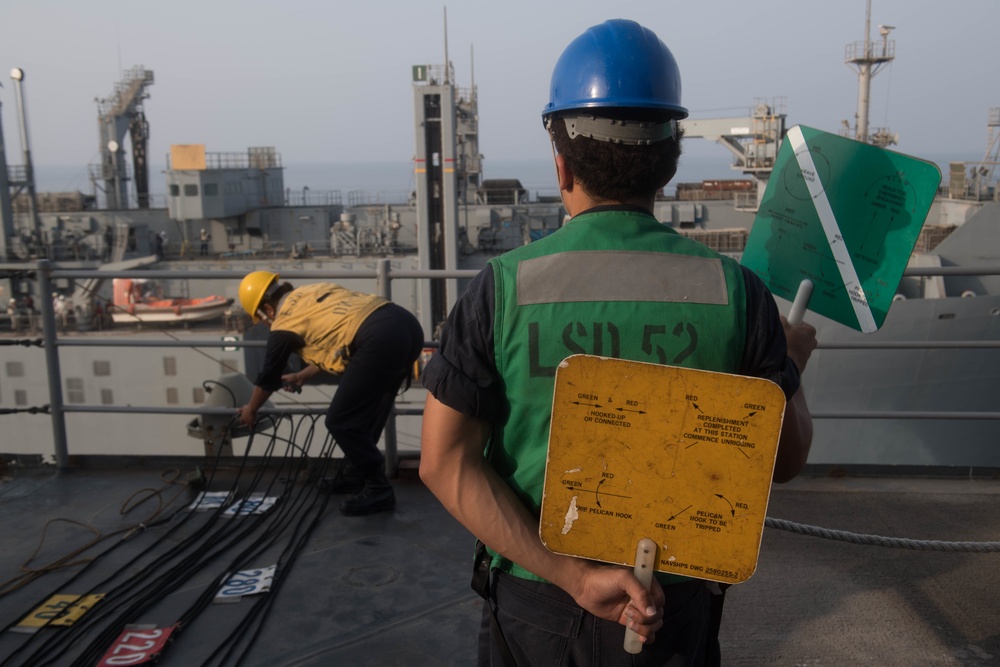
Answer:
[(190, 190)]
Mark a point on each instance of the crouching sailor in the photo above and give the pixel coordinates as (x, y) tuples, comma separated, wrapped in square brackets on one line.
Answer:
[(369, 341)]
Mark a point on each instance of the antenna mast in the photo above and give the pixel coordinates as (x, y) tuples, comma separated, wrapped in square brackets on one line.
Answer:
[(868, 60), (447, 63)]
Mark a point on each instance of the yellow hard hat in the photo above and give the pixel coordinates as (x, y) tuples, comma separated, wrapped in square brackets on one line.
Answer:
[(252, 290)]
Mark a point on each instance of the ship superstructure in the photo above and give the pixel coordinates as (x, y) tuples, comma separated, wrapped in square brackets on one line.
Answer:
[(235, 207)]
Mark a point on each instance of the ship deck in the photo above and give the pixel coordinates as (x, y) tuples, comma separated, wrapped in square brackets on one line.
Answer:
[(393, 588)]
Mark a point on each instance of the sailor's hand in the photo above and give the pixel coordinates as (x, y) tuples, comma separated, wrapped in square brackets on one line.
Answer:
[(246, 415), (613, 593), (801, 339), (293, 382)]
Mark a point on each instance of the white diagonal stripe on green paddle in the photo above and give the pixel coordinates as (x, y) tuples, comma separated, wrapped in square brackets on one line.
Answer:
[(838, 248)]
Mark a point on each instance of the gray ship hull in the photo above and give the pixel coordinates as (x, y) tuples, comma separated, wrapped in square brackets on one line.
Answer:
[(845, 380)]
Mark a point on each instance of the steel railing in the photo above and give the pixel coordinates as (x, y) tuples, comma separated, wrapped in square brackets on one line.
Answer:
[(383, 274)]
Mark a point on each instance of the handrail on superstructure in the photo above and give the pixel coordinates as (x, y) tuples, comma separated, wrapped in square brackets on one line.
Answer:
[(383, 274)]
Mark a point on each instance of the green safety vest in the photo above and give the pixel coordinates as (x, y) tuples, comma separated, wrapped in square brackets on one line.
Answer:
[(610, 283)]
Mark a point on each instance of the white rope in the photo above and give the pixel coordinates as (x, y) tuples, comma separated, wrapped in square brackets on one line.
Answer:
[(880, 541)]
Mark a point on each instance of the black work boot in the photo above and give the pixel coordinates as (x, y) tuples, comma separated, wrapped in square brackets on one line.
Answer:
[(376, 496), (346, 479)]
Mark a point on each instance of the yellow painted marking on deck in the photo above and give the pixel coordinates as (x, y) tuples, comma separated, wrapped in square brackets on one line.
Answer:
[(682, 456), (59, 610)]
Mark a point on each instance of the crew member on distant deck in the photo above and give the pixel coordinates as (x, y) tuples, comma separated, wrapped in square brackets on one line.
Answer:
[(15, 318), (62, 311), (108, 241), (370, 341), (203, 236)]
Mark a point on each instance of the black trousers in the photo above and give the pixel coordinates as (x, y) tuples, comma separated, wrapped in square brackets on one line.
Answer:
[(381, 358), (543, 625)]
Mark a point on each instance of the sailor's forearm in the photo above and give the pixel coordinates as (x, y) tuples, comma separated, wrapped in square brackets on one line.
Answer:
[(454, 469), (796, 439)]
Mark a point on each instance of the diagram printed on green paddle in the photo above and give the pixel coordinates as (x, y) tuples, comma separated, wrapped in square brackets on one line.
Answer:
[(845, 215)]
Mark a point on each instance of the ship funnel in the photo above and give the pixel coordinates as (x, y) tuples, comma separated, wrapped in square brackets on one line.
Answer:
[(217, 431)]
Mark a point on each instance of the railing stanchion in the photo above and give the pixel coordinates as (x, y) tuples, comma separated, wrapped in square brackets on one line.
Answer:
[(52, 366), (383, 286)]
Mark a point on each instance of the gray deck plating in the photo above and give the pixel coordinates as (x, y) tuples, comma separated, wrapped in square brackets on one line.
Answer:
[(393, 589)]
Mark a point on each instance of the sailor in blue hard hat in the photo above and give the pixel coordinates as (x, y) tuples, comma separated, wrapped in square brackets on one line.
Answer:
[(613, 281), (618, 64), (617, 84)]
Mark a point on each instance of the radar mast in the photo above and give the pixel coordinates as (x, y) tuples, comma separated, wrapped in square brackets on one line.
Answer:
[(868, 57)]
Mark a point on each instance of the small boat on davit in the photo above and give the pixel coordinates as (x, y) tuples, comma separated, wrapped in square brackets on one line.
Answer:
[(138, 301)]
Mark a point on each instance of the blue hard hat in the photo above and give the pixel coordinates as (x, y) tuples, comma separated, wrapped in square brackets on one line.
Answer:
[(617, 64)]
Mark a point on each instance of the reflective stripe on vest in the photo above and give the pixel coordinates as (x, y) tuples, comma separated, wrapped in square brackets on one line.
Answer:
[(620, 276)]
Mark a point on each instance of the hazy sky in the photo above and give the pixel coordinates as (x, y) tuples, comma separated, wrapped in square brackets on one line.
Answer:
[(329, 81)]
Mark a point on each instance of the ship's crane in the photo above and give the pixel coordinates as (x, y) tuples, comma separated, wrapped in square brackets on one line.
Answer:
[(753, 139), (992, 157), (118, 115)]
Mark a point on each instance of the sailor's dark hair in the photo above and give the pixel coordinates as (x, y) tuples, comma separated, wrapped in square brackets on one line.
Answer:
[(274, 296), (618, 172)]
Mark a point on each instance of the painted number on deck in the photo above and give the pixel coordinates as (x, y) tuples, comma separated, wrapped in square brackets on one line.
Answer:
[(136, 647), (60, 610), (246, 582)]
